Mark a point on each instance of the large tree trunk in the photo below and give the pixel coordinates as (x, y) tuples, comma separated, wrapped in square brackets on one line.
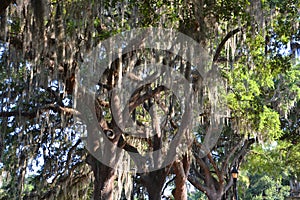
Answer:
[(216, 190), (104, 179), (215, 196), (154, 182)]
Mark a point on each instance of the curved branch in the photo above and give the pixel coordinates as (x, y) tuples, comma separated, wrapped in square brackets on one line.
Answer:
[(225, 39), (167, 184)]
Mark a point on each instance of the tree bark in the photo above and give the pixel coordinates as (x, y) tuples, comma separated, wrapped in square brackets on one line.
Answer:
[(181, 169), (154, 182), (215, 196), (104, 179)]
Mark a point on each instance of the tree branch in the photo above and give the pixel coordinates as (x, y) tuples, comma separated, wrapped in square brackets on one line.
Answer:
[(242, 153), (232, 151), (196, 184), (33, 113), (218, 172), (244, 149), (136, 102), (225, 39), (202, 164), (167, 184)]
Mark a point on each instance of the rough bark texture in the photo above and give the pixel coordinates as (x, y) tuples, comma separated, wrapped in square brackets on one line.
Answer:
[(104, 179), (154, 182), (181, 169)]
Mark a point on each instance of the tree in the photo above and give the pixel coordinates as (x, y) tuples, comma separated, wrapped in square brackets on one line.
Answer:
[(43, 46), (278, 160)]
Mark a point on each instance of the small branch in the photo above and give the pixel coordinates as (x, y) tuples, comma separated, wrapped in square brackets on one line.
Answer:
[(33, 113), (219, 174), (232, 151), (229, 184), (244, 149), (66, 110), (166, 184), (207, 174), (202, 164), (197, 173)]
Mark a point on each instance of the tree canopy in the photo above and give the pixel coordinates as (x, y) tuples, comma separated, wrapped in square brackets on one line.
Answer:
[(168, 93)]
